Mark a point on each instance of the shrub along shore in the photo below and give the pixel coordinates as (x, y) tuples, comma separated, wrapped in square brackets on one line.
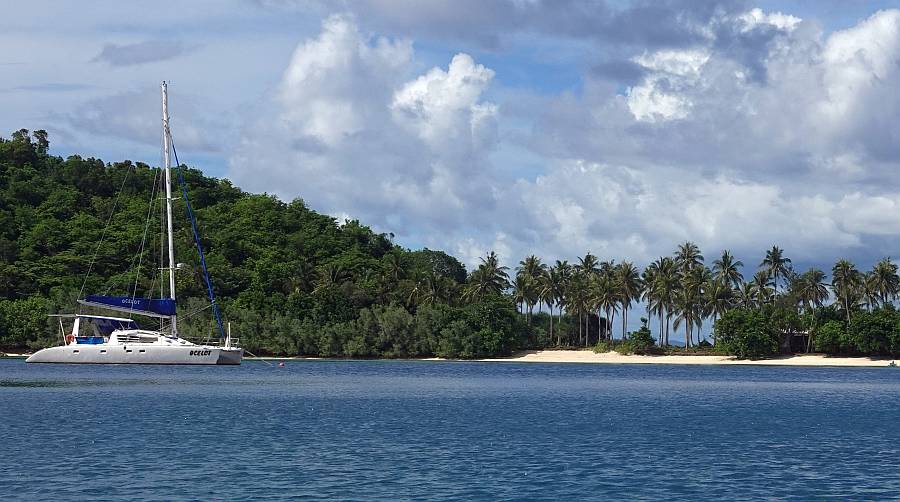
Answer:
[(293, 282)]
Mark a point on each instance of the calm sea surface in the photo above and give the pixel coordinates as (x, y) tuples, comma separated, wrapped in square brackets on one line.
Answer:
[(438, 430)]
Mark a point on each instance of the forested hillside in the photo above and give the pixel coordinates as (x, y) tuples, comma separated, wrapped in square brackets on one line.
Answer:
[(292, 281), (289, 280)]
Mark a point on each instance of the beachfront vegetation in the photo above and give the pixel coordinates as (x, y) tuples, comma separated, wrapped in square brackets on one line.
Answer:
[(294, 282)]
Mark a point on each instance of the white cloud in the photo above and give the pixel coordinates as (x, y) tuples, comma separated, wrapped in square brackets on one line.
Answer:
[(859, 66), (874, 215), (441, 104), (324, 91), (659, 96), (756, 17), (781, 142), (353, 130)]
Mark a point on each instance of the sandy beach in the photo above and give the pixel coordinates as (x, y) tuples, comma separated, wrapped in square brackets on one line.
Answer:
[(588, 356)]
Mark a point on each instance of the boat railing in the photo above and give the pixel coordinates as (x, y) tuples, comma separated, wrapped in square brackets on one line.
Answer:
[(214, 342)]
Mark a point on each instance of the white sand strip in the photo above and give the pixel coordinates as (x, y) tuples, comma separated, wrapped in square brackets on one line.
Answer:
[(588, 356)]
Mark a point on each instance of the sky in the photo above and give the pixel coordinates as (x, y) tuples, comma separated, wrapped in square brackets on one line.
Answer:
[(620, 128)]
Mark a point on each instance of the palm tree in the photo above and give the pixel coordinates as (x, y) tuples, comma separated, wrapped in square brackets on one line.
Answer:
[(531, 266), (666, 287), (429, 288), (762, 280), (746, 296), (548, 285), (604, 298), (588, 264), (488, 279), (845, 281), (776, 263), (607, 271), (869, 290), (630, 286), (812, 292), (297, 281), (720, 298), (438, 288), (812, 289), (885, 281), (687, 256), (694, 302), (394, 267), (564, 272), (726, 270), (685, 308), (650, 295), (520, 287), (578, 299), (330, 276), (532, 269)]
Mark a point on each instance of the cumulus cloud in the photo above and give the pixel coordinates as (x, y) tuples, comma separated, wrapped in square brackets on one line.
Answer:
[(353, 130), (659, 96), (784, 152), (755, 128)]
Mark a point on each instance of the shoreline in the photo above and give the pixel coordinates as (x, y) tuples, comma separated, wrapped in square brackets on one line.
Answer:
[(612, 357), (568, 356)]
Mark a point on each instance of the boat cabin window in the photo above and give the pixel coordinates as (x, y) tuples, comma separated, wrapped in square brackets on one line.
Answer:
[(137, 337)]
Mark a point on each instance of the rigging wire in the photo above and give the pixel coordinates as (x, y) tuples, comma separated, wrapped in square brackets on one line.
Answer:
[(103, 235), (140, 254), (190, 211)]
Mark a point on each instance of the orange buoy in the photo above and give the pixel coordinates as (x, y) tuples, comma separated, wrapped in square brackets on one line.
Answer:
[(70, 339)]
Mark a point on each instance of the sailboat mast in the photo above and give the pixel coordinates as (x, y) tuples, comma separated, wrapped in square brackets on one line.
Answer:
[(166, 148)]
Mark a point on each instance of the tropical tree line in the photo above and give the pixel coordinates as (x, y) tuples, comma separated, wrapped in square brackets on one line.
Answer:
[(292, 281), (682, 292)]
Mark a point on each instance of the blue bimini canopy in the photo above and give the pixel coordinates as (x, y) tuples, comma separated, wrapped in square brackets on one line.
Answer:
[(106, 325), (154, 307)]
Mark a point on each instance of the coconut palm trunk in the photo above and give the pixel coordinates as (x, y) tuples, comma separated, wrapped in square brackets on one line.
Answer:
[(660, 328), (550, 338), (558, 327), (581, 328), (687, 332)]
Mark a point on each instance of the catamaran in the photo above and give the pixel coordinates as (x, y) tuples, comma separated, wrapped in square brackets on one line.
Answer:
[(96, 339)]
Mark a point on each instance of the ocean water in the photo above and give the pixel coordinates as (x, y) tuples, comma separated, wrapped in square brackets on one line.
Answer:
[(404, 430)]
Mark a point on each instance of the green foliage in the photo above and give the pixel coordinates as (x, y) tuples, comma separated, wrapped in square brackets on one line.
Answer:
[(289, 280), (295, 282), (832, 338), (641, 340), (876, 332), (602, 347), (747, 334), (24, 321)]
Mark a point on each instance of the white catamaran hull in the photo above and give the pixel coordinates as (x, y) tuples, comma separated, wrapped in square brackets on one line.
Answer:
[(137, 354)]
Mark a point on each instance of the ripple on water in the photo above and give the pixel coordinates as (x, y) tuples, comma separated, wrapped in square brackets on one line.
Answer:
[(437, 431)]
